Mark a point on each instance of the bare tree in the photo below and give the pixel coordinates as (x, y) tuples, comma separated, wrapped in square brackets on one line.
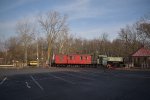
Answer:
[(117, 48), (103, 43), (15, 50), (2, 41), (26, 34), (53, 24), (62, 40), (135, 35), (143, 31), (4, 49)]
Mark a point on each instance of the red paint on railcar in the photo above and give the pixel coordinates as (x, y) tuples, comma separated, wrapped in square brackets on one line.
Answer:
[(79, 59), (61, 59), (73, 59)]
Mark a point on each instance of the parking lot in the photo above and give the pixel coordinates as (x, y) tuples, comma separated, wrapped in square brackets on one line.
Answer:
[(73, 84)]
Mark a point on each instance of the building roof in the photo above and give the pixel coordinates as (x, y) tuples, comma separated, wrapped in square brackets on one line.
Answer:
[(142, 52)]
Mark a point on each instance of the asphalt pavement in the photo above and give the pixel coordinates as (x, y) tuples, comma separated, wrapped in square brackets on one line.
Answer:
[(73, 84)]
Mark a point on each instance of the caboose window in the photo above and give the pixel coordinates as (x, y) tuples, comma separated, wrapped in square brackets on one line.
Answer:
[(71, 57), (61, 58), (86, 57), (81, 57)]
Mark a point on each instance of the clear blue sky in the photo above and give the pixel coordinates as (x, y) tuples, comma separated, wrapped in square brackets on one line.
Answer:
[(86, 18)]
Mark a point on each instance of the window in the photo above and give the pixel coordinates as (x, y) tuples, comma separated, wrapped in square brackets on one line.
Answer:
[(61, 58), (86, 57), (71, 57), (81, 57)]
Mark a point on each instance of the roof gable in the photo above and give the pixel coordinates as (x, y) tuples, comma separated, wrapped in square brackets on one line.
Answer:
[(141, 52)]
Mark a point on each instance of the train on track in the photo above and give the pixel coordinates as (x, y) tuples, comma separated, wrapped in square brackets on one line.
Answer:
[(86, 60)]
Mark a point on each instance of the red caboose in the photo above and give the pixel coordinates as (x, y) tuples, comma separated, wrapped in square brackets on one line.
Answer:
[(72, 59)]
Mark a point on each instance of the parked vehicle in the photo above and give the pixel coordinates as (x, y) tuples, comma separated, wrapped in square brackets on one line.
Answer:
[(33, 63)]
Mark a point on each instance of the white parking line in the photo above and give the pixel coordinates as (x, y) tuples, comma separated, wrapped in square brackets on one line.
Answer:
[(100, 73), (91, 74), (27, 85), (60, 78), (37, 83), (3, 81), (78, 76)]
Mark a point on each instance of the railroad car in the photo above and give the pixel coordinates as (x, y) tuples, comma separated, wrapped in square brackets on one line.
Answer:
[(72, 60), (84, 60)]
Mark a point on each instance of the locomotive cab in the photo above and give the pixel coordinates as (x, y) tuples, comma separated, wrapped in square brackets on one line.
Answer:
[(102, 60)]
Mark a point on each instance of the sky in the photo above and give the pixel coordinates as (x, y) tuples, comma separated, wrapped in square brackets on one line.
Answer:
[(86, 18)]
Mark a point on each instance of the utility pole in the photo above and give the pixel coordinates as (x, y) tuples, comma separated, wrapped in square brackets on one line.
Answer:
[(42, 54), (37, 53)]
